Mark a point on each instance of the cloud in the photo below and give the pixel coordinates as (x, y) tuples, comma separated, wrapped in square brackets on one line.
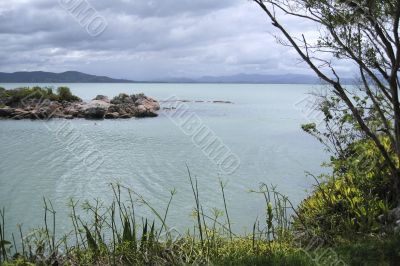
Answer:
[(145, 39)]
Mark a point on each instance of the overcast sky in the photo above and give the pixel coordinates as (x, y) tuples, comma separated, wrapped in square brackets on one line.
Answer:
[(145, 39)]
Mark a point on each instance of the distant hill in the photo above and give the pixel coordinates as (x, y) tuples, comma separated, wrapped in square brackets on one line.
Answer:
[(256, 79), (269, 79), (48, 77), (260, 79), (78, 77)]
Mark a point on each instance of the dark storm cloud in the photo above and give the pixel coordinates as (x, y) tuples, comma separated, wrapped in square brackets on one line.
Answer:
[(144, 39)]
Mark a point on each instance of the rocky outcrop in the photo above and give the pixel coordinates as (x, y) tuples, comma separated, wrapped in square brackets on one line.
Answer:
[(102, 98), (121, 107), (96, 109), (6, 112), (147, 107), (137, 105)]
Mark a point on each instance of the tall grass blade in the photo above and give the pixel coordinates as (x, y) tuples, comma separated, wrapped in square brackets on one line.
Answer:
[(226, 209), (90, 240), (196, 197), (127, 235)]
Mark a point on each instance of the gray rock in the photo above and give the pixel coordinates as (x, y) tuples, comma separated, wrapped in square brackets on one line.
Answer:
[(7, 112), (114, 108), (228, 102), (96, 109), (95, 113), (113, 115), (22, 113), (102, 98), (142, 111), (126, 116)]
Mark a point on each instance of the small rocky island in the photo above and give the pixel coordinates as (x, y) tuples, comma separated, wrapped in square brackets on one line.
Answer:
[(43, 103)]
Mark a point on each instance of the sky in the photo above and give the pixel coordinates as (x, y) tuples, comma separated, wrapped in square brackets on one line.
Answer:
[(145, 39)]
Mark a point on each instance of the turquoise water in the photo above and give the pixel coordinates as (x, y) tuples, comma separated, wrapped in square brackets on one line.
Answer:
[(262, 128)]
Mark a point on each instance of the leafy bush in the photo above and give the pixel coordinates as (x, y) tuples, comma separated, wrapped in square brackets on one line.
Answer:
[(366, 165), (65, 94), (350, 201), (15, 97), (354, 199), (340, 209), (121, 99)]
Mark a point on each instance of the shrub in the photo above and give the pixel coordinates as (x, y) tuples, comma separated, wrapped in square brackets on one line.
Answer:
[(2, 100), (121, 99), (349, 202), (65, 94), (15, 97)]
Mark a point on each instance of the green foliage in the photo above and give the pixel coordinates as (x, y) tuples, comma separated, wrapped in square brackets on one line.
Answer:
[(352, 21), (371, 251), (116, 224), (240, 252), (65, 94), (340, 209), (363, 163), (108, 237), (121, 98), (348, 202), (20, 96), (16, 96), (124, 98), (90, 240)]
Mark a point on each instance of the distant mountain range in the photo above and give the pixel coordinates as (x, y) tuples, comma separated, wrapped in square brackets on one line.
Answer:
[(48, 77), (255, 78), (78, 77)]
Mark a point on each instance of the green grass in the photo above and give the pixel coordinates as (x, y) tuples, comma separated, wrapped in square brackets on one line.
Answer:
[(115, 235), (372, 251)]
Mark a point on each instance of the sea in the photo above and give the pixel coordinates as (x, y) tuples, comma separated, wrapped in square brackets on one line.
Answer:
[(64, 160)]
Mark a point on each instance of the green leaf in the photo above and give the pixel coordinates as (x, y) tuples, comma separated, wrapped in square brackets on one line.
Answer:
[(127, 235), (91, 241)]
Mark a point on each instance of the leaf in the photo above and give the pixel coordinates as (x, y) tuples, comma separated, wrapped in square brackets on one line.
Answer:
[(144, 236), (127, 233), (151, 235), (91, 241)]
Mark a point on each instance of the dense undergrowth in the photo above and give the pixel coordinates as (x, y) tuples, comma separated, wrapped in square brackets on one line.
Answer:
[(354, 200)]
